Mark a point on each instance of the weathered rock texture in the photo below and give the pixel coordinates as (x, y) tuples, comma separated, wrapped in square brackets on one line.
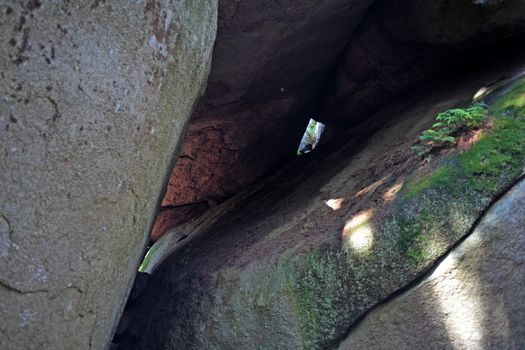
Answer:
[(474, 299), (402, 44), (292, 262), (170, 217), (94, 98), (277, 63), (269, 64)]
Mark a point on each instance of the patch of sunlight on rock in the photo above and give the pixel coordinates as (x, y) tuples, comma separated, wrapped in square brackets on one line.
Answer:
[(372, 187), (390, 194), (357, 233), (361, 239), (462, 311), (483, 91), (520, 101), (335, 204)]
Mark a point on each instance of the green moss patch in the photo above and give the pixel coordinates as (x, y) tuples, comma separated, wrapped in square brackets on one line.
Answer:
[(319, 291), (465, 181), (331, 288), (513, 100), (308, 300)]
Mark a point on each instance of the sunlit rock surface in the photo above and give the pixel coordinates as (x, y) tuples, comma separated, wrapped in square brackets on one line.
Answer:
[(474, 299), (94, 98)]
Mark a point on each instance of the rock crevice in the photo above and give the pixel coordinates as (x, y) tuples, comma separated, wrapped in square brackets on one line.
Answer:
[(470, 300)]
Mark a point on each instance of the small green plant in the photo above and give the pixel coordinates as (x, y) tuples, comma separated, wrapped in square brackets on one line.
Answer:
[(437, 136), (449, 124), (457, 118)]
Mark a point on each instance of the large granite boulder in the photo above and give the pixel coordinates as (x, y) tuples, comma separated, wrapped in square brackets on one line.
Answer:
[(474, 299), (95, 96)]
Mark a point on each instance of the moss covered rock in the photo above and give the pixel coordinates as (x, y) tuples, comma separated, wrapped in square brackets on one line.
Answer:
[(293, 262), (472, 300)]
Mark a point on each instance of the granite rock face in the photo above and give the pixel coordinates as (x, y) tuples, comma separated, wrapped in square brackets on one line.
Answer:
[(95, 96), (294, 261), (269, 64), (170, 217), (472, 300), (278, 63)]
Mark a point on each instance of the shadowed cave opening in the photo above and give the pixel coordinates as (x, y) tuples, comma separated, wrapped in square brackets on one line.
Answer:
[(467, 62)]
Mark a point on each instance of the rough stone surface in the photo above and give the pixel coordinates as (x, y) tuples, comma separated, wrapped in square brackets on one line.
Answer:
[(269, 63), (275, 267), (277, 63), (170, 217), (401, 45), (474, 299), (94, 98)]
